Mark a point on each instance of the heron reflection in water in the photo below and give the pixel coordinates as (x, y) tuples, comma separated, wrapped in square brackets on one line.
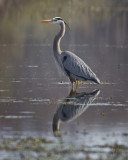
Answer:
[(72, 107)]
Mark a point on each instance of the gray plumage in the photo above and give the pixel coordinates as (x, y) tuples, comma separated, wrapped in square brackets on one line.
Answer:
[(74, 67)]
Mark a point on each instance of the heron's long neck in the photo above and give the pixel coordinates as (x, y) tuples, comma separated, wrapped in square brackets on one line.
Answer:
[(57, 39)]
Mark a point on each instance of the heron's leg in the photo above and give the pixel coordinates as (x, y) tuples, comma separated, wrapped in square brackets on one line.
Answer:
[(76, 83), (72, 92), (73, 85)]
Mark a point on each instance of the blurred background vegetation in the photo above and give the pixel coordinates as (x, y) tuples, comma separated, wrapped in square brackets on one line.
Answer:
[(20, 18)]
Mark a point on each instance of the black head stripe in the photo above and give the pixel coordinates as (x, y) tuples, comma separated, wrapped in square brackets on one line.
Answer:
[(58, 18)]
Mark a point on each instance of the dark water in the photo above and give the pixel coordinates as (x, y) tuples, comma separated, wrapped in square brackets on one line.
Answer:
[(34, 93)]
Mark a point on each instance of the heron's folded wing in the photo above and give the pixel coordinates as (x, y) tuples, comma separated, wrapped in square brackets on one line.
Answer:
[(76, 66)]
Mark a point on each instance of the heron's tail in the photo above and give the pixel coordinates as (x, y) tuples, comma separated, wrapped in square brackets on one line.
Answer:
[(96, 80)]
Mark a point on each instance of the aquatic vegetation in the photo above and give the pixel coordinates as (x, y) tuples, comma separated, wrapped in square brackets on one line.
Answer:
[(102, 113), (38, 147), (125, 134)]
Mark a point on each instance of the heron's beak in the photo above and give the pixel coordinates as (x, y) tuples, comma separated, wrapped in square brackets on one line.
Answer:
[(46, 21)]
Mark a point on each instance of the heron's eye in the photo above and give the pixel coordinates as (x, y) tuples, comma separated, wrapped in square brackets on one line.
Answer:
[(59, 19)]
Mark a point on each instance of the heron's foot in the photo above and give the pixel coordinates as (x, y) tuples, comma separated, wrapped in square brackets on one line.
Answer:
[(57, 133), (74, 86)]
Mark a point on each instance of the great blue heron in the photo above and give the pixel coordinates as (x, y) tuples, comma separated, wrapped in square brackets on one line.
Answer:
[(72, 107), (74, 67)]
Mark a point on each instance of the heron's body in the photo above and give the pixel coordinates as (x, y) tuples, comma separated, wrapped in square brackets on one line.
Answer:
[(73, 66), (76, 68)]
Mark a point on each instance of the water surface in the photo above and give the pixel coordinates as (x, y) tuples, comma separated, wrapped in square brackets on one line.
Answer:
[(33, 91)]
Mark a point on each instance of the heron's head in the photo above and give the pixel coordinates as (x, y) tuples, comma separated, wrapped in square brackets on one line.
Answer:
[(55, 20)]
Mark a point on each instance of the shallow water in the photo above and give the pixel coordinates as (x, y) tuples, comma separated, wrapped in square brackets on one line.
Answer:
[(34, 93)]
